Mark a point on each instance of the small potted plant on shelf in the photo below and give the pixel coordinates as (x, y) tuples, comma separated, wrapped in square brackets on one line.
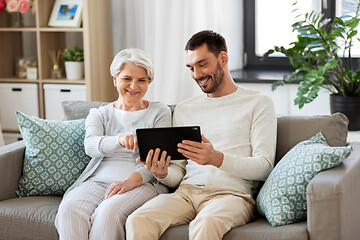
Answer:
[(74, 62), (321, 57)]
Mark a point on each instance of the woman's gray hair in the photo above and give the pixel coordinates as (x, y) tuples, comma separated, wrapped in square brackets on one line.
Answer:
[(134, 56)]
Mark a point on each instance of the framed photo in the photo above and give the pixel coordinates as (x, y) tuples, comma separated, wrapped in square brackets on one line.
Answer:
[(66, 13)]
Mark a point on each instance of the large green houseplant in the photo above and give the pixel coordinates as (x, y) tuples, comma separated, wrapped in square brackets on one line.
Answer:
[(321, 57)]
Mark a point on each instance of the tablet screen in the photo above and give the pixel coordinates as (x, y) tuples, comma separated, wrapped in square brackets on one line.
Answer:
[(165, 139)]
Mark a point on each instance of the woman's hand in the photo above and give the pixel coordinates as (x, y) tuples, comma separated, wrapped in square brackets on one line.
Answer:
[(158, 167), (129, 142), (203, 153), (117, 188)]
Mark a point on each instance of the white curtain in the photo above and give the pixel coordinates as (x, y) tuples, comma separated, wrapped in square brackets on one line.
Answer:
[(162, 27)]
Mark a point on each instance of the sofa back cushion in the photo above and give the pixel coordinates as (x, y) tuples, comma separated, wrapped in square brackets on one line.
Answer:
[(290, 129), (294, 129), (79, 109)]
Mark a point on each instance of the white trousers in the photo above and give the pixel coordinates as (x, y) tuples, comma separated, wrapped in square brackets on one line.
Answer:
[(211, 212), (84, 214)]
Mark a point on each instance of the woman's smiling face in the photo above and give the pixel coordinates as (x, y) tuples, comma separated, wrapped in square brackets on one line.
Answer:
[(132, 83)]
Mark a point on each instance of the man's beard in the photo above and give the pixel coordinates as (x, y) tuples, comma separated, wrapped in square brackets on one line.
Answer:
[(216, 80)]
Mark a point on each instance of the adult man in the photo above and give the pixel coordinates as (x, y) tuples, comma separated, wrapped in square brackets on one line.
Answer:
[(222, 172)]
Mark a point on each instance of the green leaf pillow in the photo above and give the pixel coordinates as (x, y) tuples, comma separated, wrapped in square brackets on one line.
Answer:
[(282, 199), (54, 155)]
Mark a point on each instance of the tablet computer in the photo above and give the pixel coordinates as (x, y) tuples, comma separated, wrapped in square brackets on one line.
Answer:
[(165, 139)]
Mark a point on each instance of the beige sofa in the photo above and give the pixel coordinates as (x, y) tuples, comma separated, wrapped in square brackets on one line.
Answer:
[(333, 196)]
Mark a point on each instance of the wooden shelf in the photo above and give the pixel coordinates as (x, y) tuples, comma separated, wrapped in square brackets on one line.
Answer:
[(94, 36), (45, 29), (19, 80), (10, 130), (24, 29), (66, 81), (53, 29)]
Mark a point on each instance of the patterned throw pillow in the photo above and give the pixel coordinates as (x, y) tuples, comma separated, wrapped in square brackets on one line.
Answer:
[(54, 155), (282, 199)]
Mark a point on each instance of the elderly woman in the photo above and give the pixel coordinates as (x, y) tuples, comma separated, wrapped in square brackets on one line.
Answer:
[(113, 185)]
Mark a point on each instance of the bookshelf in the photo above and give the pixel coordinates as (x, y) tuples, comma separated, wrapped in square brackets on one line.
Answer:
[(35, 39)]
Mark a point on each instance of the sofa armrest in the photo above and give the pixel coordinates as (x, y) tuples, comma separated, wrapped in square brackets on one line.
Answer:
[(333, 200), (11, 159)]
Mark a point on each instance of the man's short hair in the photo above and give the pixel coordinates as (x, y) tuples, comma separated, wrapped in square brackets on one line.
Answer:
[(214, 41)]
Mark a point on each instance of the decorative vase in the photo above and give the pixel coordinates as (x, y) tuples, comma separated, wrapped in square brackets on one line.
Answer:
[(74, 70), (16, 20), (56, 72), (350, 107)]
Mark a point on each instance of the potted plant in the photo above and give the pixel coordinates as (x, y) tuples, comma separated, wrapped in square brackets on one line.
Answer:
[(321, 57), (74, 62)]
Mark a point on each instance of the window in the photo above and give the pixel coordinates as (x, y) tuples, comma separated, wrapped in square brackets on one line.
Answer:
[(274, 28), (268, 23), (343, 8)]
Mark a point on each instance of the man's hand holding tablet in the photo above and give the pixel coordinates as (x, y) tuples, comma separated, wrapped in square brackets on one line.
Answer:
[(181, 142), (201, 152)]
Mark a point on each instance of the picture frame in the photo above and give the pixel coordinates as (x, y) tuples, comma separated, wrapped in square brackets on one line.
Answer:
[(66, 13)]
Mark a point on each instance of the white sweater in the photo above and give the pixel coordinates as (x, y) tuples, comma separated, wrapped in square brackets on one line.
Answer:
[(103, 130), (242, 125)]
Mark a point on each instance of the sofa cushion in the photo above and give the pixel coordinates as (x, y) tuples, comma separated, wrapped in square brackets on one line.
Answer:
[(79, 109), (282, 199), (290, 129), (29, 218), (54, 155), (259, 229), (294, 129)]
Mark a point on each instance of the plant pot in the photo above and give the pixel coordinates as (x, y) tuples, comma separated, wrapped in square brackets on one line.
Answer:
[(74, 70), (350, 106)]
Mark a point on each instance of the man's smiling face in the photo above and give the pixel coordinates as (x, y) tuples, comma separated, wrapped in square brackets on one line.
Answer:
[(205, 69)]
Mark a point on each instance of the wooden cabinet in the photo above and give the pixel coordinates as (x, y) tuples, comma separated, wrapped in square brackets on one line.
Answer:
[(35, 39)]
